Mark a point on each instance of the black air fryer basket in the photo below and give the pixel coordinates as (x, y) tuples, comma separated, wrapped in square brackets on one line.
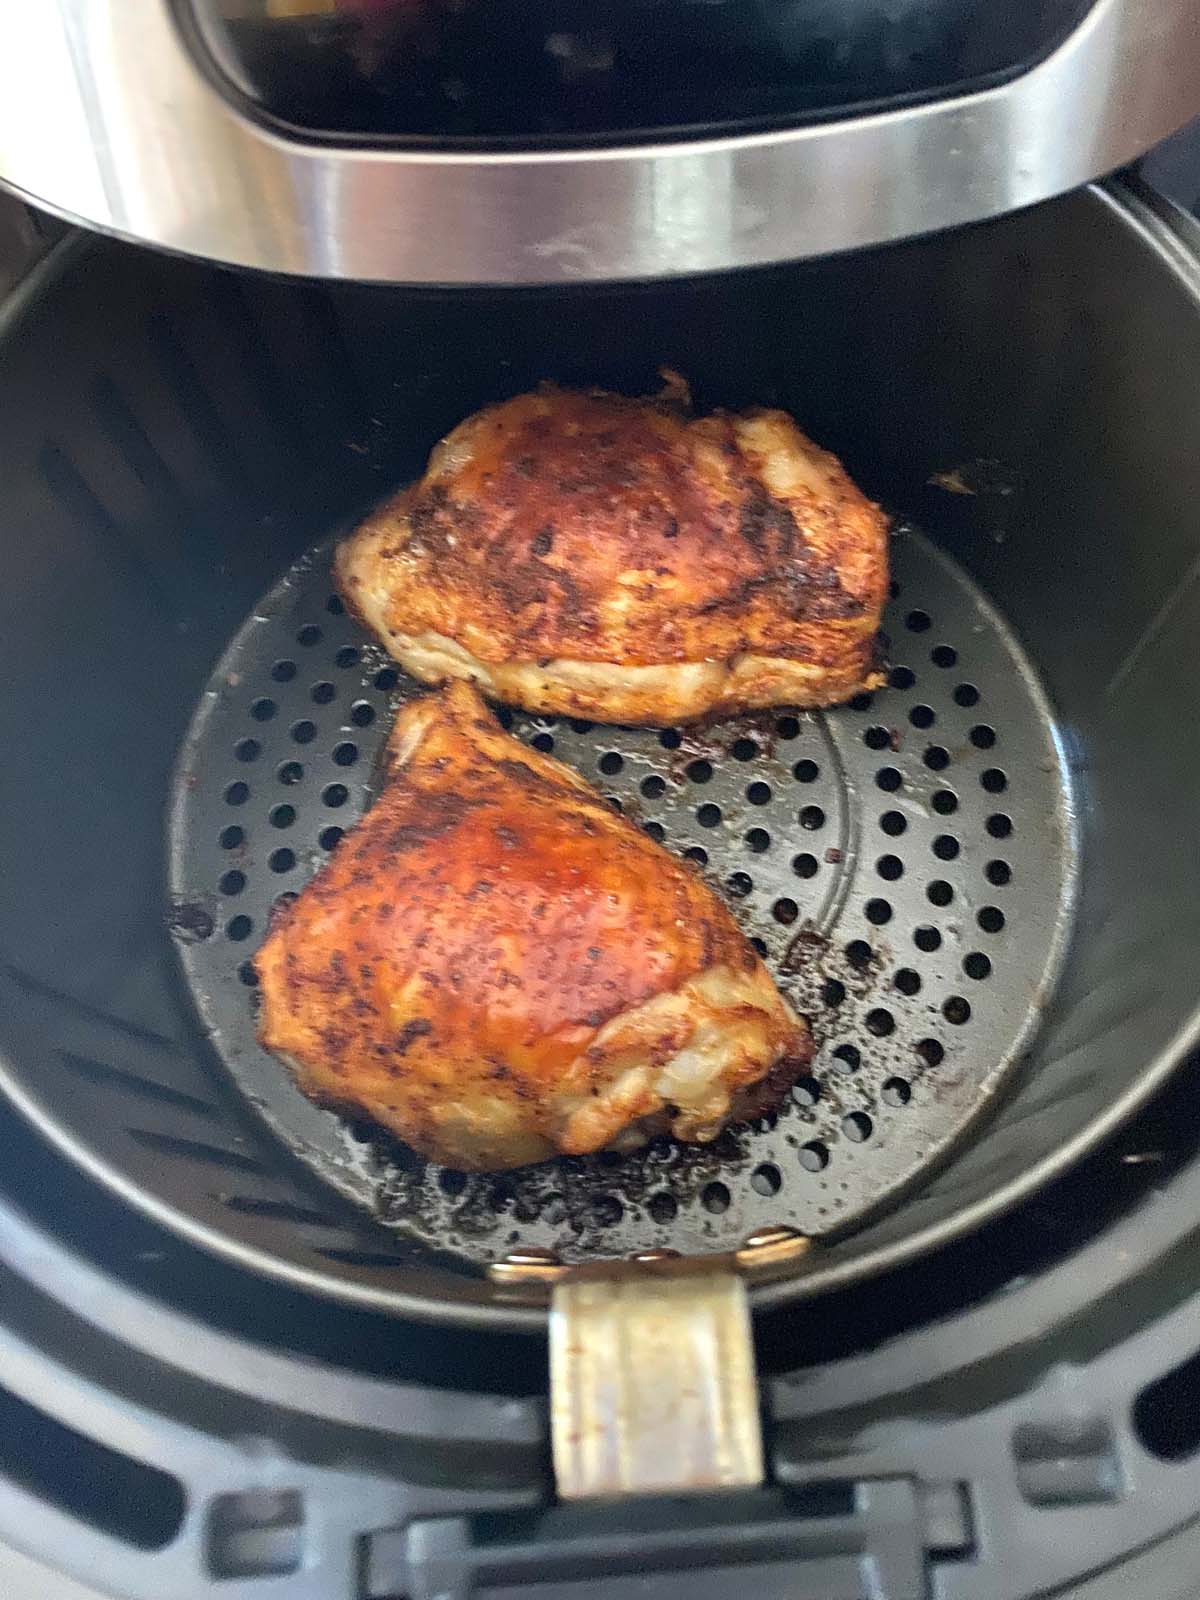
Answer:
[(979, 883)]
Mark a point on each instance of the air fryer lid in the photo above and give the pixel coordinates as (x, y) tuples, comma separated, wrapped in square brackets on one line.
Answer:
[(494, 141), (561, 70)]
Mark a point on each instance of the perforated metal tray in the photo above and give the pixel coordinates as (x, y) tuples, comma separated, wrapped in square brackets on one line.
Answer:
[(905, 865)]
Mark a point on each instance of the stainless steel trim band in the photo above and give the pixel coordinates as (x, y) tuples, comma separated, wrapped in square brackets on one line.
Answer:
[(106, 119)]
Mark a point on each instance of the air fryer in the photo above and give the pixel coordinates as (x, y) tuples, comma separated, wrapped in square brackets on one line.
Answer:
[(976, 883)]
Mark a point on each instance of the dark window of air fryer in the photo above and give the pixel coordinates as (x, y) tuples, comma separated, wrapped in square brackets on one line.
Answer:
[(528, 71)]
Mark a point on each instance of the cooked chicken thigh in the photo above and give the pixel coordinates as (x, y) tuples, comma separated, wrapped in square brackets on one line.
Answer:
[(618, 559), (497, 967)]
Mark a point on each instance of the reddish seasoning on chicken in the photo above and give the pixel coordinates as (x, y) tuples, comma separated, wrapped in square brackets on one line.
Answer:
[(623, 560), (497, 967)]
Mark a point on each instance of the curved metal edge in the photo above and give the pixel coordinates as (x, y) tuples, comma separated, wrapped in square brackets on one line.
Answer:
[(106, 119)]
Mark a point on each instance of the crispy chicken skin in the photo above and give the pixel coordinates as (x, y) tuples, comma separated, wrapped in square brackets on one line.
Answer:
[(619, 559), (497, 967)]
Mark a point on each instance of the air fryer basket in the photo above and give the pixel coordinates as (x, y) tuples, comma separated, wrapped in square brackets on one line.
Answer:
[(905, 865), (1025, 391)]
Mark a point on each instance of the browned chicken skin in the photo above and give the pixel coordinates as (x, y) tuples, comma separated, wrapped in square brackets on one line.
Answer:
[(497, 967), (618, 559)]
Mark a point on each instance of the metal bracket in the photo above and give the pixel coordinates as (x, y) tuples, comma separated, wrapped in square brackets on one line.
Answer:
[(652, 1375), (652, 1384)]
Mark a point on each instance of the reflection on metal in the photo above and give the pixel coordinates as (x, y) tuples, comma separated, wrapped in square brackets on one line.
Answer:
[(770, 1249), (652, 1386), (106, 118), (300, 8), (652, 1377), (764, 1254), (527, 1266)]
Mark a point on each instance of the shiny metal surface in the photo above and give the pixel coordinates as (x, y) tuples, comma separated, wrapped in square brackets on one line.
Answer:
[(105, 118), (652, 1383), (766, 1254)]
